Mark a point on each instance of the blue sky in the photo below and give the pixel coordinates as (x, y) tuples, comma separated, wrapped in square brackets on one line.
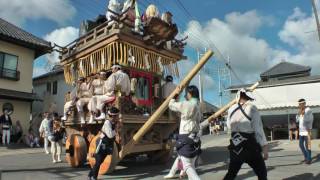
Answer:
[(254, 34)]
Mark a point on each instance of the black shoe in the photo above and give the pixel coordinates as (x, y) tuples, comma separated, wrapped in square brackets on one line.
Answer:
[(308, 162)]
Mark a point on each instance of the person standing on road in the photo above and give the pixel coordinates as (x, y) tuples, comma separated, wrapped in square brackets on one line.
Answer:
[(56, 139), (247, 137), (293, 129), (6, 122), (105, 144), (188, 142), (45, 131), (305, 120)]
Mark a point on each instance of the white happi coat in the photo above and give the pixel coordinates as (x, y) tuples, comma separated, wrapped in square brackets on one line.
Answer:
[(238, 122), (190, 115)]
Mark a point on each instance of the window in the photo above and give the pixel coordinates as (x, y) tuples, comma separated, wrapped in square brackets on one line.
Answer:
[(49, 87), (8, 66), (55, 87)]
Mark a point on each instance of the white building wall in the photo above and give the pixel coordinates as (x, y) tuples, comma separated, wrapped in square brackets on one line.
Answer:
[(287, 96), (51, 102)]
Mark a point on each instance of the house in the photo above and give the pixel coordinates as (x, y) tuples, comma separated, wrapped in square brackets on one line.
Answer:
[(278, 93), (51, 88), (18, 50)]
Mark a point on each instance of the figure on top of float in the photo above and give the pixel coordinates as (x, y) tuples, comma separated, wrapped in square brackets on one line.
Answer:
[(117, 81), (83, 96), (96, 88)]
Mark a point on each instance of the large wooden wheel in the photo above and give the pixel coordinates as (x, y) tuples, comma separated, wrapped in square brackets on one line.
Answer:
[(76, 150), (109, 163)]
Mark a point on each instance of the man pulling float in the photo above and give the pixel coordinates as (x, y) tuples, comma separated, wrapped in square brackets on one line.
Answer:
[(105, 144)]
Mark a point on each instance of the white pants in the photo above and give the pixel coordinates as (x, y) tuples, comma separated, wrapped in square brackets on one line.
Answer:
[(92, 105), (6, 135), (81, 103), (188, 167), (102, 100), (56, 148), (46, 143), (67, 107)]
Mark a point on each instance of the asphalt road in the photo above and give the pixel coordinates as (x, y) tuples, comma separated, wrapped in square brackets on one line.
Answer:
[(284, 163)]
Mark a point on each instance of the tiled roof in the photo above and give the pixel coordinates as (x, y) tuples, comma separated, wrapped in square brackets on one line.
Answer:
[(54, 71), (18, 95), (285, 68), (206, 107), (280, 82), (16, 35)]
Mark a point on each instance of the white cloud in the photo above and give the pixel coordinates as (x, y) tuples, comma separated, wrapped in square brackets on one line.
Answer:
[(238, 22), (236, 36), (300, 33), (61, 37), (186, 65), (18, 11)]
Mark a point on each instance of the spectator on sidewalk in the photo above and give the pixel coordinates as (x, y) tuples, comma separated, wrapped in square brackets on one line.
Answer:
[(18, 132), (5, 121), (31, 139), (56, 139), (45, 131), (305, 120), (293, 129)]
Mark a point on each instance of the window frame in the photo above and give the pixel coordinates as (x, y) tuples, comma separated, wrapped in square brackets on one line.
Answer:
[(4, 58), (55, 87), (48, 90), (3, 70)]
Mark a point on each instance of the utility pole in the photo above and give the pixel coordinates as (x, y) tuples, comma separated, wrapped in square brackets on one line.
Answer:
[(200, 79), (229, 70), (313, 2), (220, 92)]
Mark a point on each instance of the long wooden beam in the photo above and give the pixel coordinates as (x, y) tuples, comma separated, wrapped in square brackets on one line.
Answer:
[(157, 114), (226, 107)]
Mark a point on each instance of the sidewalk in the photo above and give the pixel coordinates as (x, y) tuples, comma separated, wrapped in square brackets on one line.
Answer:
[(14, 149)]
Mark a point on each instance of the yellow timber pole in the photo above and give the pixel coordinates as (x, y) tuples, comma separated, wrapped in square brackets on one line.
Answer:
[(226, 107), (156, 115)]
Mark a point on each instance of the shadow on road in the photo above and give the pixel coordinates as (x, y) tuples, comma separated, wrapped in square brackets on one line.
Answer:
[(305, 176), (59, 171), (137, 170)]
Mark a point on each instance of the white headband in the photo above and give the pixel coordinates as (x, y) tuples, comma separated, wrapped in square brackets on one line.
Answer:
[(112, 114), (116, 66)]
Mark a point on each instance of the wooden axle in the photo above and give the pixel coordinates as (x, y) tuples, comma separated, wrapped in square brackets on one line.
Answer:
[(155, 116)]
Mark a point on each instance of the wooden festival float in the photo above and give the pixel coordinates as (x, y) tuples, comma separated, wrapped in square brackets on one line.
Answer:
[(147, 53)]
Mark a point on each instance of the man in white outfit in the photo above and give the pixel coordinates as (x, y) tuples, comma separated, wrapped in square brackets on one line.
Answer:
[(45, 131), (96, 87), (84, 97), (70, 100), (117, 81), (305, 120)]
